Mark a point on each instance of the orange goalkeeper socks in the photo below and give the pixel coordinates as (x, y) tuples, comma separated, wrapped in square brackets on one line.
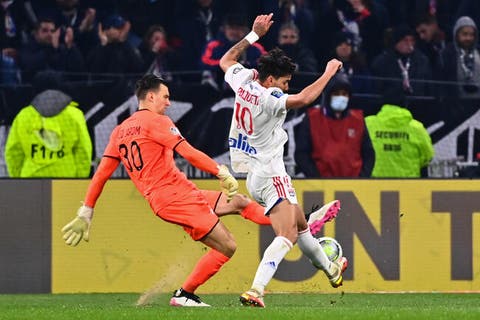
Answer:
[(256, 213), (206, 267)]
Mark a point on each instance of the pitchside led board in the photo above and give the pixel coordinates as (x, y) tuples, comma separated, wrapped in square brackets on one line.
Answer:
[(399, 235)]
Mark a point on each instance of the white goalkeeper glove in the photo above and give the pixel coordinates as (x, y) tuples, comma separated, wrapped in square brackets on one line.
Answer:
[(228, 183), (78, 228)]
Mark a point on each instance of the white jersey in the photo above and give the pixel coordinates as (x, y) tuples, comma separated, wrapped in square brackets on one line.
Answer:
[(256, 137)]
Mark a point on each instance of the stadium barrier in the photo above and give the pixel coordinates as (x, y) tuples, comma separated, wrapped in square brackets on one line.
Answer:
[(399, 235), (203, 116)]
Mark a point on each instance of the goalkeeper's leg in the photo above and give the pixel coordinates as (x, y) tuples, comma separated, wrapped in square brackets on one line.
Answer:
[(195, 216), (240, 204)]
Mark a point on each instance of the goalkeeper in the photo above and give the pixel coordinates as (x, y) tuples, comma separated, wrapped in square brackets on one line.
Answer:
[(145, 143)]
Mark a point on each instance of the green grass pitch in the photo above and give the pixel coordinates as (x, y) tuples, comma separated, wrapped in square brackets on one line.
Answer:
[(226, 306)]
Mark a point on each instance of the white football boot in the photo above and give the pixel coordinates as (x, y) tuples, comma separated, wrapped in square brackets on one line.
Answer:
[(182, 298)]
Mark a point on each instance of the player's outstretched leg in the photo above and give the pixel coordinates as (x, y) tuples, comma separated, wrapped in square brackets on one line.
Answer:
[(319, 217), (182, 298)]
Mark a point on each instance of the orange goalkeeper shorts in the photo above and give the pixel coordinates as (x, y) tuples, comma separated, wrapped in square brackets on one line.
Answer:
[(193, 213), (212, 197)]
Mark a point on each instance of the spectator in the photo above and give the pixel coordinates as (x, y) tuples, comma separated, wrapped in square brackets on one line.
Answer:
[(407, 11), (158, 56), (289, 42), (432, 38), (114, 54), (234, 28), (402, 145), (16, 20), (82, 20), (196, 24), (44, 51), (365, 20), (49, 138), (333, 140), (297, 12), (401, 60), (354, 63), (460, 61), (470, 8)]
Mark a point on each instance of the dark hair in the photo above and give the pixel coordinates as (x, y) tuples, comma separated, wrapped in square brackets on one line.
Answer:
[(425, 19), (44, 19), (148, 82), (235, 20), (275, 63), (151, 30)]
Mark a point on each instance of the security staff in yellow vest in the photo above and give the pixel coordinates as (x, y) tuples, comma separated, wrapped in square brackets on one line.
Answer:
[(49, 138), (402, 144)]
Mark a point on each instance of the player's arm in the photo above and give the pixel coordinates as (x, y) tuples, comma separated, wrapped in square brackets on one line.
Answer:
[(105, 169), (203, 162), (79, 227), (260, 27), (310, 93)]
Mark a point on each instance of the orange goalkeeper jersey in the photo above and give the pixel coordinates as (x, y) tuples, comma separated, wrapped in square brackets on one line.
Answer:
[(145, 144)]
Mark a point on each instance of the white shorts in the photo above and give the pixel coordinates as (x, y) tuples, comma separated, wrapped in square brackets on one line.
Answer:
[(270, 191)]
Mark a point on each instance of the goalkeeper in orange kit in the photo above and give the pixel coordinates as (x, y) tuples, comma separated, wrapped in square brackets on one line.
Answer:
[(145, 143)]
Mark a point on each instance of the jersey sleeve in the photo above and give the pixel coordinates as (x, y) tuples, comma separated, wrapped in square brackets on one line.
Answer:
[(237, 75), (276, 101), (165, 132)]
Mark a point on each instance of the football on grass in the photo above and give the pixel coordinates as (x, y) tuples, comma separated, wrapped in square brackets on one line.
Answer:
[(332, 248)]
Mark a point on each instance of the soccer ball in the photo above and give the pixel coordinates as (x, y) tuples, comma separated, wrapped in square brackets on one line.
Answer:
[(332, 248)]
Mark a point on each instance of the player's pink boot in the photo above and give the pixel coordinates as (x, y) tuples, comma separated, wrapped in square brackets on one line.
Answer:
[(318, 218)]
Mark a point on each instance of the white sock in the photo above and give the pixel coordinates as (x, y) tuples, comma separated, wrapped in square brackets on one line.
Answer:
[(313, 250), (272, 257)]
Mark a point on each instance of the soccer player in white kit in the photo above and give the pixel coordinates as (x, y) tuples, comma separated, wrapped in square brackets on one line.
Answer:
[(256, 146)]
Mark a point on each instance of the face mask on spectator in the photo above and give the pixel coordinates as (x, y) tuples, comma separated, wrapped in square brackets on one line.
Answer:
[(339, 103)]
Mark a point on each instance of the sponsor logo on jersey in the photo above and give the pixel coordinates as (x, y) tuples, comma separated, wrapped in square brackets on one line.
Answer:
[(276, 93), (241, 143)]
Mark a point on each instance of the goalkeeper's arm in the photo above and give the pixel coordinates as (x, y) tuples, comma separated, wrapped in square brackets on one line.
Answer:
[(203, 162), (79, 227)]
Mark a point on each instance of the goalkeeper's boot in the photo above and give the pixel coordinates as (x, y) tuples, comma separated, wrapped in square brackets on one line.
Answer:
[(319, 217), (252, 298), (182, 298), (335, 274)]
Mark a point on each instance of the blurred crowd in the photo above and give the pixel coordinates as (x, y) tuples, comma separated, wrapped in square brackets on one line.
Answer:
[(412, 41)]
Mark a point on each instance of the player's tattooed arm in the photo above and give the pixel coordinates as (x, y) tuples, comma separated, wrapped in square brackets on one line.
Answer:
[(260, 27)]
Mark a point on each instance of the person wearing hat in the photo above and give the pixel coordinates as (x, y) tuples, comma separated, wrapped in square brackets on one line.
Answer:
[(403, 61), (402, 145), (332, 140), (114, 54), (460, 62)]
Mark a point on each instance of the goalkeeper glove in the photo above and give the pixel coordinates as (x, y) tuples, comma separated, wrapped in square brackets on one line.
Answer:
[(78, 228), (228, 183)]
